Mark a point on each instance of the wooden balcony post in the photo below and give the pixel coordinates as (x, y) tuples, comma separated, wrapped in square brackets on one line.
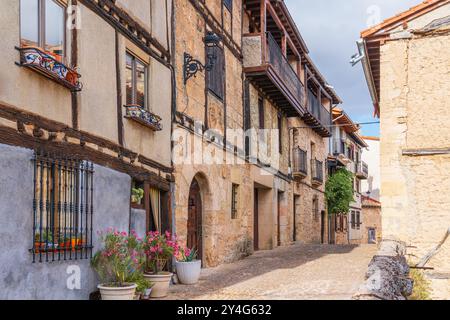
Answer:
[(263, 30), (284, 44)]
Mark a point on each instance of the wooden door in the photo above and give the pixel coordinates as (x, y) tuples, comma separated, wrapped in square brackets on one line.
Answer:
[(324, 216), (194, 238), (256, 221)]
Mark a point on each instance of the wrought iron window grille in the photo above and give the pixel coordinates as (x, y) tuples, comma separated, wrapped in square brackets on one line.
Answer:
[(62, 208)]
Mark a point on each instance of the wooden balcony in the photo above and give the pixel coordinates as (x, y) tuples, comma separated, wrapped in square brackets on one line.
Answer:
[(268, 69), (299, 163), (317, 116), (48, 66), (362, 170)]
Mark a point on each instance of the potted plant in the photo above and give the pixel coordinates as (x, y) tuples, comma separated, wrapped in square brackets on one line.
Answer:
[(159, 248), (137, 194), (118, 264), (44, 243), (144, 286), (188, 267)]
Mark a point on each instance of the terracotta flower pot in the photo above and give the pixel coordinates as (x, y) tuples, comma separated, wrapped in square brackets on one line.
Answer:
[(117, 293), (189, 272), (161, 283)]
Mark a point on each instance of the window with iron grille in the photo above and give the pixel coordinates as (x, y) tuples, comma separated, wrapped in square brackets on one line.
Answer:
[(353, 217), (228, 4), (234, 201), (215, 76), (62, 208), (316, 208)]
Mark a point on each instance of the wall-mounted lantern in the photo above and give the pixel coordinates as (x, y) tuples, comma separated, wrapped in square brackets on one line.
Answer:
[(192, 66)]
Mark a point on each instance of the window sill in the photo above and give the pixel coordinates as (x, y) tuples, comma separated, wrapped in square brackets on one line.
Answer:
[(43, 63), (144, 117), (137, 206)]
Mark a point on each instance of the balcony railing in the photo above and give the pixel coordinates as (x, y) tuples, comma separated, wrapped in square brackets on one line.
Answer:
[(44, 63), (317, 172), (362, 170), (144, 117), (339, 147), (316, 108), (300, 163), (284, 69)]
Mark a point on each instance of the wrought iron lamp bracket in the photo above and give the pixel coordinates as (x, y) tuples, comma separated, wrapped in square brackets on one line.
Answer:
[(192, 66)]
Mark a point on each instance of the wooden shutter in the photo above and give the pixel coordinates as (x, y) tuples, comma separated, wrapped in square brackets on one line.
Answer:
[(215, 77)]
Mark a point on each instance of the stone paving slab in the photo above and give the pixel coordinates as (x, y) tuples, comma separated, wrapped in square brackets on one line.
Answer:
[(297, 272)]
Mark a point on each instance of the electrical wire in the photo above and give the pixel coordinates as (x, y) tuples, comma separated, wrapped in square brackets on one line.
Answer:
[(338, 125)]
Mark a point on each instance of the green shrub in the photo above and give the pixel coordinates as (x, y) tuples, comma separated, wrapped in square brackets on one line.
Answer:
[(422, 287)]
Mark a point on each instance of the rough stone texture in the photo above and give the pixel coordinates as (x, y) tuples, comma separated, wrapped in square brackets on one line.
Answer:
[(225, 239), (387, 277), (308, 222), (371, 219), (298, 272), (19, 277), (415, 90)]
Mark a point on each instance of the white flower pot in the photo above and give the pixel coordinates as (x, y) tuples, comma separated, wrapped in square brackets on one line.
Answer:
[(161, 283), (117, 293), (189, 272)]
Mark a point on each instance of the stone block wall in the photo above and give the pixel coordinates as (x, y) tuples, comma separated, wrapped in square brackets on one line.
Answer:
[(415, 90)]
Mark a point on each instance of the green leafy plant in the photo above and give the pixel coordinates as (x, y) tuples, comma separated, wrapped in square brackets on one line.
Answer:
[(137, 194), (47, 237), (187, 255), (121, 260), (142, 283), (422, 287), (339, 191)]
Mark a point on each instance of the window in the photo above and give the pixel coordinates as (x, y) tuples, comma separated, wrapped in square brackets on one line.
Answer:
[(316, 208), (280, 133), (234, 201), (228, 4), (42, 24), (62, 209), (261, 113), (215, 76), (353, 217), (372, 236), (136, 81), (358, 220)]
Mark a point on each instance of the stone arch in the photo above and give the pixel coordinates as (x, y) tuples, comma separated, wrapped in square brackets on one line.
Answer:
[(200, 184)]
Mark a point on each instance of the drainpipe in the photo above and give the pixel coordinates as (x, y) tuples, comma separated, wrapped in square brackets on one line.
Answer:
[(363, 57)]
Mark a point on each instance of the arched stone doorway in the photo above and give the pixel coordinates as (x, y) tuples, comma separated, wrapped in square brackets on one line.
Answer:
[(195, 219)]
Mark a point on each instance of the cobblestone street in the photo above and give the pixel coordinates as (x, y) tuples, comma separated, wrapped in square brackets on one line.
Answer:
[(300, 272)]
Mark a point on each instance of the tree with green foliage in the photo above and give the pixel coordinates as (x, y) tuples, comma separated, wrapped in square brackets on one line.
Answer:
[(339, 192)]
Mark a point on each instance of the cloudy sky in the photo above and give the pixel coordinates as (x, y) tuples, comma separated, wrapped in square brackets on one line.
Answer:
[(330, 29)]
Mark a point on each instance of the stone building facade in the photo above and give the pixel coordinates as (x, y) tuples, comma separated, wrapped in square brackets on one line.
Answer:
[(371, 221), (407, 66), (237, 194), (83, 118), (346, 152)]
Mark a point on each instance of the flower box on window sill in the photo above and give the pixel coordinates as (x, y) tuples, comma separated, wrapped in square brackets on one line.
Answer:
[(144, 117), (47, 65)]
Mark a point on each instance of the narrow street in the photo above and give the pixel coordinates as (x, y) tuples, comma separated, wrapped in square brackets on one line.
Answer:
[(299, 272)]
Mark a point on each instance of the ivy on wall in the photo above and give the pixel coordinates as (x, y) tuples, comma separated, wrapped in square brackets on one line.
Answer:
[(339, 192)]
